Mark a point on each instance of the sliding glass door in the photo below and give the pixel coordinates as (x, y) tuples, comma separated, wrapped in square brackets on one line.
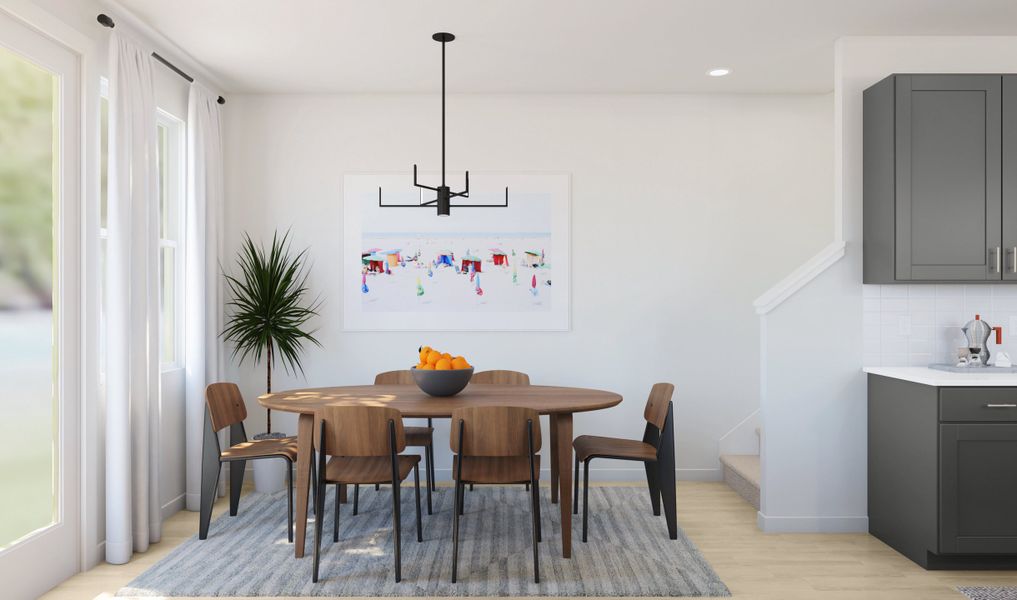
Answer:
[(39, 304)]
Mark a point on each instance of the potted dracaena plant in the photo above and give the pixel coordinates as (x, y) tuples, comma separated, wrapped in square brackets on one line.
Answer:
[(266, 318)]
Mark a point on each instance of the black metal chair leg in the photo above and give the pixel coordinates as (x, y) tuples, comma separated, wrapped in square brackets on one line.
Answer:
[(319, 495), (396, 526), (210, 471), (665, 477), (536, 494), (471, 487), (652, 485), (462, 498), (431, 468), (455, 531), (335, 519), (289, 498), (575, 489), (586, 496), (535, 515), (429, 473), (377, 487), (314, 486), (356, 498), (416, 491)]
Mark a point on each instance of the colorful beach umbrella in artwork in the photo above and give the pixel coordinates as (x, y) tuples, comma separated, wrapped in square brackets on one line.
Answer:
[(533, 285), (363, 283), (480, 292), (473, 271), (420, 287)]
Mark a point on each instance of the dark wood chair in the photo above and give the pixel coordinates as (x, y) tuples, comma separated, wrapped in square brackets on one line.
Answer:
[(361, 444), (225, 408), (655, 451), (500, 377), (416, 437), (495, 444)]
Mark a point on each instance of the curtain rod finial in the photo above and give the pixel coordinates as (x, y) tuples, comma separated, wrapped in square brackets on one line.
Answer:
[(105, 21), (221, 100)]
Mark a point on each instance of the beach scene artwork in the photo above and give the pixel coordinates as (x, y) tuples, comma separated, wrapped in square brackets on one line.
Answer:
[(479, 268)]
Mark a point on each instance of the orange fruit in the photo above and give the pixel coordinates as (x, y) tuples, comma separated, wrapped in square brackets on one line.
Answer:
[(421, 365), (433, 356), (443, 365), (425, 348), (423, 356), (460, 363), (427, 368), (447, 356)]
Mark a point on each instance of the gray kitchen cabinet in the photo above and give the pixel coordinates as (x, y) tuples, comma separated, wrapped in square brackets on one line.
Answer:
[(935, 151), (942, 472)]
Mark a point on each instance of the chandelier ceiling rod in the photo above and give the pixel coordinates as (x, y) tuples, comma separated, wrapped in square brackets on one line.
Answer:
[(443, 201)]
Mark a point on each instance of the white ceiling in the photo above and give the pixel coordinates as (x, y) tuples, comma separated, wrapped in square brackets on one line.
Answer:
[(539, 46)]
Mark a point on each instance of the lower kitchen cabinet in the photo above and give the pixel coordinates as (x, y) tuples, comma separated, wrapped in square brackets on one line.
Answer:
[(942, 481), (978, 487)]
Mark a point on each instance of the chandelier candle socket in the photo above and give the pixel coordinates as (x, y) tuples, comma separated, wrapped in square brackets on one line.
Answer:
[(443, 201)]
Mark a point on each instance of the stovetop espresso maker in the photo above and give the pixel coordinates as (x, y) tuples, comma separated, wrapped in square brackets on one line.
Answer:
[(977, 334)]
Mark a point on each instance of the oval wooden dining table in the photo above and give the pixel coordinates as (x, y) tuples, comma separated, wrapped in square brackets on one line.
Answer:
[(559, 403)]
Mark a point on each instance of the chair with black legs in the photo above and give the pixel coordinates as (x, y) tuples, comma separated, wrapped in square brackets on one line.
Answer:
[(495, 444), (416, 436), (224, 407), (500, 377), (655, 451), (361, 444)]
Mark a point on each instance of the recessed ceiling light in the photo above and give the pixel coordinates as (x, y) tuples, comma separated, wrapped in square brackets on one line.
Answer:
[(718, 72)]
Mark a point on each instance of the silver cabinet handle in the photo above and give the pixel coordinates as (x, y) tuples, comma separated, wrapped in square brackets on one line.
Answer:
[(1001, 406), (999, 267), (1013, 265)]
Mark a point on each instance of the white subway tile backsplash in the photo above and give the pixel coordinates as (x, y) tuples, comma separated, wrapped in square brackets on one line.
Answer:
[(916, 325)]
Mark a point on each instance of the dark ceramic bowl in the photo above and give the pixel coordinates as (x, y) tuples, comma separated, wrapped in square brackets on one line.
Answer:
[(442, 383)]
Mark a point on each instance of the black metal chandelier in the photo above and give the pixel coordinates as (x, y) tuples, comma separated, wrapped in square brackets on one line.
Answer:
[(443, 201)]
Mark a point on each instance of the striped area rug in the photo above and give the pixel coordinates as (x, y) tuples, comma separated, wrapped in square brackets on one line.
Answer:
[(629, 553), (989, 593)]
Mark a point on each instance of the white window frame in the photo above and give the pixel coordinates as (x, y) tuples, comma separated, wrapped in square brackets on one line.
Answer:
[(175, 179), (175, 148)]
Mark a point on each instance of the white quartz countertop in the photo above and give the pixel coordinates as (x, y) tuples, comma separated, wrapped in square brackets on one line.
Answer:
[(924, 375)]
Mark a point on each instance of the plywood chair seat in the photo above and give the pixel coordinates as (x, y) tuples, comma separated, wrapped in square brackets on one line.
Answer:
[(419, 436), (367, 469), (496, 469), (283, 447), (594, 446)]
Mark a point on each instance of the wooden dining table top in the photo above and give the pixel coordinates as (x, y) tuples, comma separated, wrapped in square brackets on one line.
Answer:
[(412, 402)]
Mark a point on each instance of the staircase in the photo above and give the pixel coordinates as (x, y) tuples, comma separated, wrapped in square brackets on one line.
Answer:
[(741, 473)]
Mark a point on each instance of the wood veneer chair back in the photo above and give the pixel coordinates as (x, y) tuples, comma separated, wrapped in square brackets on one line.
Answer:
[(225, 405), (403, 377), (359, 431), (495, 430), (658, 403), (498, 377)]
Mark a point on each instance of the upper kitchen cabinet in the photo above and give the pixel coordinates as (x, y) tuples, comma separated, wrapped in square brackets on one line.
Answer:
[(940, 180)]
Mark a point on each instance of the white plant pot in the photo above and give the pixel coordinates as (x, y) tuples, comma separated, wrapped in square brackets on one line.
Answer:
[(269, 473)]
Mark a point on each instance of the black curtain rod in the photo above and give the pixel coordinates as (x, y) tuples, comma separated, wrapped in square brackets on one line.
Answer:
[(106, 21)]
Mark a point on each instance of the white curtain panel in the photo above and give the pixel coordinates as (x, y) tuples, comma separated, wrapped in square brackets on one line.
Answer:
[(203, 349), (133, 517)]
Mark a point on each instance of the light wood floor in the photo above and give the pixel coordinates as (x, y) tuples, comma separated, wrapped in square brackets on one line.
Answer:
[(752, 564)]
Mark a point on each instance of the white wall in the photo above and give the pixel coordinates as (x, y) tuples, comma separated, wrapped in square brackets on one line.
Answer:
[(727, 192), (813, 402)]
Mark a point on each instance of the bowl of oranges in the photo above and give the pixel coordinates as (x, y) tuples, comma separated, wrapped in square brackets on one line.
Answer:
[(440, 373)]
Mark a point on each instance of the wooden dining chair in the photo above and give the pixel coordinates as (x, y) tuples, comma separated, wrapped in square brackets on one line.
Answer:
[(225, 408), (655, 451), (416, 437), (495, 444), (500, 377), (362, 444)]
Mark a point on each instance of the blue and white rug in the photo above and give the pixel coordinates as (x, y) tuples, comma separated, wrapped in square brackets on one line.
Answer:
[(628, 554)]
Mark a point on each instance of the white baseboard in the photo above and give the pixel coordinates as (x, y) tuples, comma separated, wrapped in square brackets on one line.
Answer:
[(173, 506), (770, 524)]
